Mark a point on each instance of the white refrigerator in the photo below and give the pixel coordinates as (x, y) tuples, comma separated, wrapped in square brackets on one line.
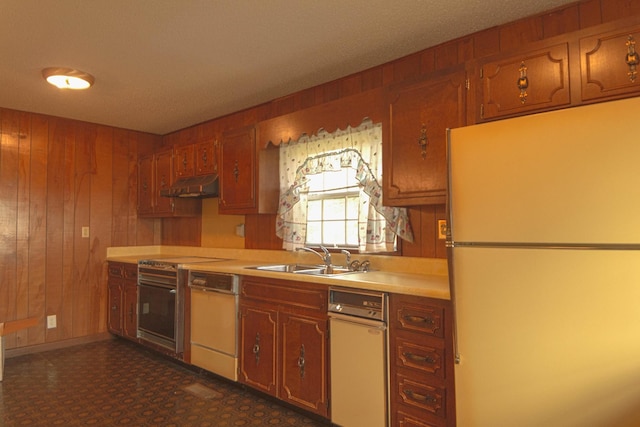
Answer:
[(544, 253)]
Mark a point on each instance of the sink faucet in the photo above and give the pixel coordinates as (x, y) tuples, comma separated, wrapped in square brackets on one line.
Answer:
[(348, 254), (326, 257)]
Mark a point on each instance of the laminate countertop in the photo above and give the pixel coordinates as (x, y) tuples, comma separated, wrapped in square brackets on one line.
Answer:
[(424, 277)]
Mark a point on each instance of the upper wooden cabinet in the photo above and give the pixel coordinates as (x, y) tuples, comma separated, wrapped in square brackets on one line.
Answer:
[(249, 182), (155, 173), (184, 161), (206, 157), (610, 64), (415, 166), (524, 82), (196, 159)]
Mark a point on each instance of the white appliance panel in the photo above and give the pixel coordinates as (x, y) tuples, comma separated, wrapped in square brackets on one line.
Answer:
[(547, 337), (563, 176)]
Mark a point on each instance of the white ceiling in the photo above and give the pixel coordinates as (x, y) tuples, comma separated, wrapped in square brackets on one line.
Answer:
[(162, 65)]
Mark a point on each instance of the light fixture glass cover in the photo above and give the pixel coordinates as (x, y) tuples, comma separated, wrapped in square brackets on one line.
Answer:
[(68, 78)]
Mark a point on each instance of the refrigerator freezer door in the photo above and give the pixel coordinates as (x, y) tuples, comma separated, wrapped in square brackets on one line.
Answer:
[(569, 176), (547, 337)]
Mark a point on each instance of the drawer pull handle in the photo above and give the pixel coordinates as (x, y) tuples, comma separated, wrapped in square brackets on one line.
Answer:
[(420, 359), (426, 398), (419, 319)]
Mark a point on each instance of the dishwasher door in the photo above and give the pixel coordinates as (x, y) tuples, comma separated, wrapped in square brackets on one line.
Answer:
[(214, 332), (358, 349)]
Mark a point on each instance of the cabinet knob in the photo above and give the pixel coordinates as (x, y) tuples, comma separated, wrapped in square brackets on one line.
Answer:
[(632, 58), (422, 141), (301, 361), (523, 82), (256, 348), (236, 171)]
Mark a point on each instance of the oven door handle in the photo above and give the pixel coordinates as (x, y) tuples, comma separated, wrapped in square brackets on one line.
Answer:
[(157, 285)]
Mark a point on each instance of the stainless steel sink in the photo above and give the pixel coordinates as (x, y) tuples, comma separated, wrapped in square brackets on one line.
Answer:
[(287, 268), (317, 270)]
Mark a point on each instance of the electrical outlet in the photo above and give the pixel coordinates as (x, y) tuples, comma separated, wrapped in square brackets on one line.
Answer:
[(51, 321), (85, 232), (442, 229)]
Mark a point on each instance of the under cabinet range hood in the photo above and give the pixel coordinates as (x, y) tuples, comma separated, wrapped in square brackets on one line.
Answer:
[(193, 186)]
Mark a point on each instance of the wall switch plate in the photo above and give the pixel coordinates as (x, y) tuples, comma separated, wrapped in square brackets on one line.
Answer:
[(85, 232), (442, 229), (51, 321)]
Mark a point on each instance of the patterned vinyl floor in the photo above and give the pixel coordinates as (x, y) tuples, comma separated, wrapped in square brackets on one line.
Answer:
[(117, 383)]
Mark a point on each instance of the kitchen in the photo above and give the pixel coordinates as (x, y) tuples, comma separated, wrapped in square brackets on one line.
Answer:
[(64, 274)]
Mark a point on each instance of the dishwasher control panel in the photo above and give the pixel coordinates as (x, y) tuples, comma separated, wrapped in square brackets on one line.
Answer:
[(360, 303), (217, 282)]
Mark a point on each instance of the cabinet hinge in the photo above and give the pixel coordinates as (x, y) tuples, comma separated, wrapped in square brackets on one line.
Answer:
[(467, 84), (482, 111), (481, 73)]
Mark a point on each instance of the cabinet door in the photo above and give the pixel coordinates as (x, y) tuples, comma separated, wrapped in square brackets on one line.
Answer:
[(415, 167), (304, 355), (524, 82), (114, 290), (238, 168), (258, 356), (184, 158), (206, 158), (163, 180), (610, 64), (130, 310), (145, 185)]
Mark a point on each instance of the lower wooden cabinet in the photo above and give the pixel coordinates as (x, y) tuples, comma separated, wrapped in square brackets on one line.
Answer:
[(284, 341), (421, 370), (123, 299)]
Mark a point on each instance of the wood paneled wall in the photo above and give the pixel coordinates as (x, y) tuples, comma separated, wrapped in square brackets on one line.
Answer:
[(565, 19), (57, 176)]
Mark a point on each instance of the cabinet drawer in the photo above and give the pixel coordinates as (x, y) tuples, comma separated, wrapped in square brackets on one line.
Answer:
[(421, 396), (303, 295), (130, 271), (405, 420), (116, 270), (428, 360), (424, 319)]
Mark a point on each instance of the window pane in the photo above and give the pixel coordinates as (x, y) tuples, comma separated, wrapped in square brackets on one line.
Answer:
[(314, 210), (352, 207), (352, 233), (333, 209), (333, 233), (314, 232)]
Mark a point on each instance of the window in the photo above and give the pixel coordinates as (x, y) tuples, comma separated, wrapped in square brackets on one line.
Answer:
[(332, 209), (330, 193)]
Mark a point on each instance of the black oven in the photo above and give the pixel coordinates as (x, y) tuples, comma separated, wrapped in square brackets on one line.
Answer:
[(161, 305)]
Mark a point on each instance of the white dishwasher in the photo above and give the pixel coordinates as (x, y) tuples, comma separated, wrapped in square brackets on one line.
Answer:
[(358, 350), (214, 322)]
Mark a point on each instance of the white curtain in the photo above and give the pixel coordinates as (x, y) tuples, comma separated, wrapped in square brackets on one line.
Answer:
[(359, 148)]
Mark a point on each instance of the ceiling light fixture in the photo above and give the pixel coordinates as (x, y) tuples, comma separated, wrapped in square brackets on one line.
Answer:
[(68, 78)]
